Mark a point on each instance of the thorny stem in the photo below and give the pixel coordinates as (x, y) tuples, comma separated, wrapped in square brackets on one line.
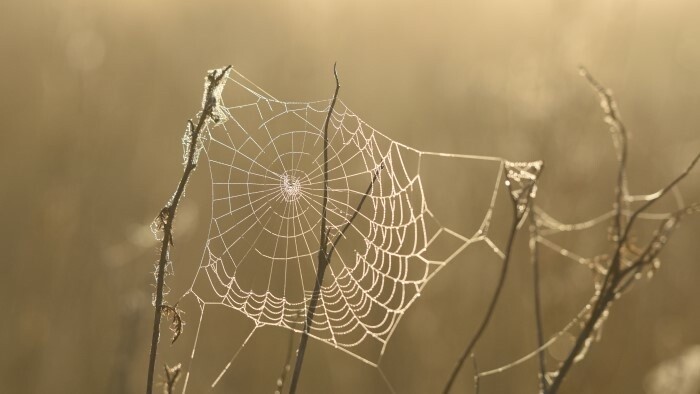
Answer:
[(323, 258), (167, 215), (496, 295), (615, 275), (534, 255)]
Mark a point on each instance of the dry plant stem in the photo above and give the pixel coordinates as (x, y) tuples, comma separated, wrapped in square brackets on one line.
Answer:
[(600, 306), (476, 374), (613, 283), (534, 255), (287, 365), (357, 211), (167, 217), (613, 279), (610, 110), (325, 253), (615, 275), (649, 253), (494, 300), (323, 258), (639, 263), (612, 276)]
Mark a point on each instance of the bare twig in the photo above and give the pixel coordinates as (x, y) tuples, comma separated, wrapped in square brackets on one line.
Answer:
[(616, 279), (323, 248), (660, 238), (649, 256), (476, 374), (612, 117), (534, 255), (166, 217), (326, 249), (521, 202), (357, 211), (288, 363), (489, 311)]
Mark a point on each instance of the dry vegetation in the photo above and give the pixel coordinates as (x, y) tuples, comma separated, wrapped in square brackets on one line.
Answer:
[(625, 263)]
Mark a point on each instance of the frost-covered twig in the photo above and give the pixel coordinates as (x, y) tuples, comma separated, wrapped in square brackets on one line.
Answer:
[(620, 138), (166, 217), (619, 277)]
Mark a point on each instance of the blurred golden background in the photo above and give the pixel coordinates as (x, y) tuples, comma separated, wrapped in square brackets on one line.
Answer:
[(95, 96)]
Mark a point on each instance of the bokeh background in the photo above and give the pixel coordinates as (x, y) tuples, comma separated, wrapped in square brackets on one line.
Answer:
[(94, 99)]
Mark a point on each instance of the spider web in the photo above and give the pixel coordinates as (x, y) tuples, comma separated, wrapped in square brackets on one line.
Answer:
[(266, 162), (265, 158), (546, 230)]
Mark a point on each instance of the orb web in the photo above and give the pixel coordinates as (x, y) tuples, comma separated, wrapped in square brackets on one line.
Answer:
[(265, 158)]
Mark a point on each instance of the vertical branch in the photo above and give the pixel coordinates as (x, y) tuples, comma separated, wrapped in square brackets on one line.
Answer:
[(517, 217), (166, 217), (491, 308), (476, 375), (287, 365), (617, 127), (323, 258), (534, 255), (326, 248), (521, 181), (606, 290)]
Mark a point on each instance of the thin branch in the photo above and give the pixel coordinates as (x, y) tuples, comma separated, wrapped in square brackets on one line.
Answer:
[(494, 300), (357, 211), (476, 374), (656, 244), (660, 194), (534, 255), (323, 258), (654, 247), (612, 117), (600, 306), (612, 275), (166, 217), (613, 281)]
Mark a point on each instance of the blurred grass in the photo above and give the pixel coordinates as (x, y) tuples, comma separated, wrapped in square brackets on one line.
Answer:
[(94, 100)]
